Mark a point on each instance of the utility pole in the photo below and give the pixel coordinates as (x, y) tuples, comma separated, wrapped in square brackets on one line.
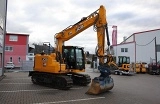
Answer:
[(155, 51), (4, 33)]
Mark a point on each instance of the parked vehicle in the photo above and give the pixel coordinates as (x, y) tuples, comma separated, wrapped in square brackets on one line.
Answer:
[(9, 65), (154, 69), (124, 66)]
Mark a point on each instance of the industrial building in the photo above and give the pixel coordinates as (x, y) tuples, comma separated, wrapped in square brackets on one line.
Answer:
[(140, 47)]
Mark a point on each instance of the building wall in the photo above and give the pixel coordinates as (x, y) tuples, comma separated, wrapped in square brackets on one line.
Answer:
[(145, 45), (20, 49), (131, 51), (142, 48)]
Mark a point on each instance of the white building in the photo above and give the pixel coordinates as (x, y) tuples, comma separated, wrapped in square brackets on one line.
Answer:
[(140, 46)]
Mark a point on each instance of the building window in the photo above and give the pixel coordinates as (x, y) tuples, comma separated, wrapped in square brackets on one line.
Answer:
[(124, 49), (30, 54), (158, 48), (31, 59), (8, 48), (19, 59), (13, 38), (10, 59), (1, 22)]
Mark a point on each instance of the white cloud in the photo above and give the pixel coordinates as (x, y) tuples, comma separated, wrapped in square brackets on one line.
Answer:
[(44, 18)]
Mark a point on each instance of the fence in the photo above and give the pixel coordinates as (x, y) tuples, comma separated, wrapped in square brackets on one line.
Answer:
[(27, 65)]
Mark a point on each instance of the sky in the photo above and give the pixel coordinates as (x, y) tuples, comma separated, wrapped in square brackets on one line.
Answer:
[(42, 19)]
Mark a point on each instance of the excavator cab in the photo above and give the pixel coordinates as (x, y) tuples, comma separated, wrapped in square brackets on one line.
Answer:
[(124, 62), (73, 57)]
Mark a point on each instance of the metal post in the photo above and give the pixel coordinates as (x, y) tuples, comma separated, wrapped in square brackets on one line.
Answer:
[(4, 37), (156, 51)]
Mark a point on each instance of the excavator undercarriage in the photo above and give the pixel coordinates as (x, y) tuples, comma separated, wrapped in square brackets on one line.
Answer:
[(59, 81)]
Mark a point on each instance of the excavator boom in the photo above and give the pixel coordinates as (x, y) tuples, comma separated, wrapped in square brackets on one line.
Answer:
[(96, 19)]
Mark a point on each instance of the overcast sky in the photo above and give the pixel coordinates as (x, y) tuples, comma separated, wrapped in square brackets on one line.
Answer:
[(42, 19)]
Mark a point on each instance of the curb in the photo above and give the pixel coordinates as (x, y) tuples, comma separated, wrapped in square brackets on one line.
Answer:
[(1, 77)]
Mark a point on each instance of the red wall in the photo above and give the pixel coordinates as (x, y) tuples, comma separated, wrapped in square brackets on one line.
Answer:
[(22, 39), (20, 48)]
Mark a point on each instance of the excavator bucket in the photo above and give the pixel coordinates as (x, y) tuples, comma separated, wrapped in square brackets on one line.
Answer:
[(100, 85)]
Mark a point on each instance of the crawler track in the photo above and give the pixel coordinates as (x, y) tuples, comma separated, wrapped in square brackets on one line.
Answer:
[(81, 79), (59, 81), (52, 80)]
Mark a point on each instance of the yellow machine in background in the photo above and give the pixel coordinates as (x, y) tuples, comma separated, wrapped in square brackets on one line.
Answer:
[(61, 69), (124, 63), (124, 66), (141, 67)]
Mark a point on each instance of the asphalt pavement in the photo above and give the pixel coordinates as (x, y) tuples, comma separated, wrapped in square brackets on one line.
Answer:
[(16, 88)]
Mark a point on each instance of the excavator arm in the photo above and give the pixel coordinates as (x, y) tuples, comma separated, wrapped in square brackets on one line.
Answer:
[(96, 19)]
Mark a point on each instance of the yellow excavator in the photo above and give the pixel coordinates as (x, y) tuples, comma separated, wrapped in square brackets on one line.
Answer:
[(62, 69), (124, 66)]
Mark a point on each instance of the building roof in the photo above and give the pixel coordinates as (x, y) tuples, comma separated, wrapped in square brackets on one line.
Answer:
[(135, 34), (145, 31), (138, 33), (17, 34), (124, 43)]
